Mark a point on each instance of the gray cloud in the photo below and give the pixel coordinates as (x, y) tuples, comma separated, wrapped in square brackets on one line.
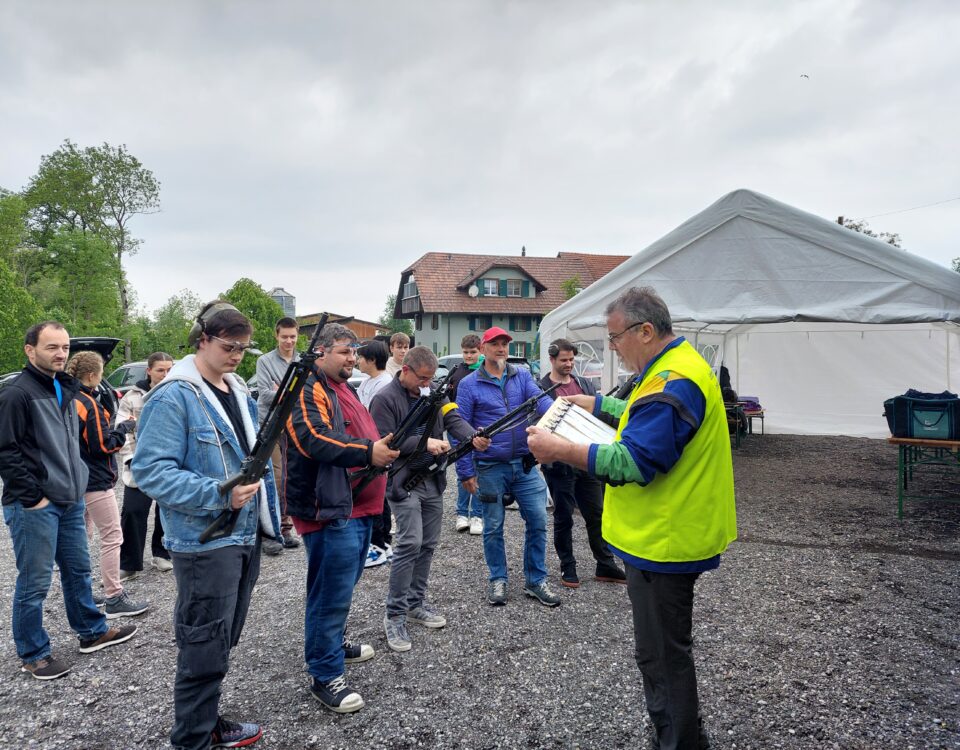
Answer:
[(324, 146)]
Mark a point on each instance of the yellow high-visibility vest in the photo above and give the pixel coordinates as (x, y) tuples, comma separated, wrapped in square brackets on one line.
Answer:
[(688, 513)]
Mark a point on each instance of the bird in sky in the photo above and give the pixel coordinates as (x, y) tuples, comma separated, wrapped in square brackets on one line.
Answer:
[(804, 75)]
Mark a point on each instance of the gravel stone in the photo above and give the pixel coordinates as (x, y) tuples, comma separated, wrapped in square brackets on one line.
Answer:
[(830, 624)]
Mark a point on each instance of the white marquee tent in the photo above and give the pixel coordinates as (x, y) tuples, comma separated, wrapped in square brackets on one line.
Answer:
[(821, 323)]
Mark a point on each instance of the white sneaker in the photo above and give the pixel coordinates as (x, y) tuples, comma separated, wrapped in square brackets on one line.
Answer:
[(463, 523), (476, 526), (162, 564), (375, 557)]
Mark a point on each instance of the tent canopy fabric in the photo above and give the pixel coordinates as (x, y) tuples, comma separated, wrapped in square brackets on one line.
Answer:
[(821, 322), (751, 259)]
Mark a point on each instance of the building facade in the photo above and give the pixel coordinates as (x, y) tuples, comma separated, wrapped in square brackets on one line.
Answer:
[(448, 295)]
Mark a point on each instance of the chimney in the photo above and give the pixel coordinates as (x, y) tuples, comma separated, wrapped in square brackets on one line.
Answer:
[(523, 251)]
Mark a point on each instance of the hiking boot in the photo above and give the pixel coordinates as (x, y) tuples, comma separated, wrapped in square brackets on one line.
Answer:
[(542, 593), (45, 669), (476, 526), (290, 541), (375, 557), (112, 637), (234, 734), (570, 579), (123, 606), (162, 564), (272, 547), (610, 575), (335, 695), (396, 630), (497, 592), (463, 523), (424, 615), (354, 653), (128, 575)]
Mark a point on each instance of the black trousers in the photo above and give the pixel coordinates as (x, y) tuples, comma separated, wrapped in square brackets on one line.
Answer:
[(133, 524), (571, 489), (213, 597), (663, 633)]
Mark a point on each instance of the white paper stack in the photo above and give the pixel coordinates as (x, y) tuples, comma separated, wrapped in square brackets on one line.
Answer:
[(577, 425)]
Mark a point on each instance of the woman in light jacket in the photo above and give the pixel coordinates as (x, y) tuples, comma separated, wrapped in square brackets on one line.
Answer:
[(136, 505)]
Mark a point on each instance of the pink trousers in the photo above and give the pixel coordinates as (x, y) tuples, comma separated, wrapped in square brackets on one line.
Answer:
[(102, 512)]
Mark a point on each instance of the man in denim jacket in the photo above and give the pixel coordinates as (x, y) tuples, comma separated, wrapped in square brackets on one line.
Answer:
[(196, 428)]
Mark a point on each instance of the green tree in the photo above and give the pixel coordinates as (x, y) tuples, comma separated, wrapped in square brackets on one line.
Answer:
[(861, 226), (82, 283), (252, 300), (390, 324), (955, 264), (17, 313), (572, 286), (96, 190), (167, 330)]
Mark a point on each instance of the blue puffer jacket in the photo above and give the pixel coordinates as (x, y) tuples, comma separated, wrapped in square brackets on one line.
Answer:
[(185, 447), (482, 401)]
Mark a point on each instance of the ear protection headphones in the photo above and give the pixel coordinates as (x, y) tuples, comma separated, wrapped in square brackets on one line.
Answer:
[(554, 351), (200, 324)]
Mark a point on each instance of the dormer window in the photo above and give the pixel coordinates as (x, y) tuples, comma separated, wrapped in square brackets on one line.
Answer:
[(514, 288), (491, 288)]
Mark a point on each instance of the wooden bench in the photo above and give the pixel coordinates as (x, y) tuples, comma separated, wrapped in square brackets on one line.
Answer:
[(914, 453)]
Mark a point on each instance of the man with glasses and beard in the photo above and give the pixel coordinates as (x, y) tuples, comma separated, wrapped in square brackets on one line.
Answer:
[(330, 431), (197, 426)]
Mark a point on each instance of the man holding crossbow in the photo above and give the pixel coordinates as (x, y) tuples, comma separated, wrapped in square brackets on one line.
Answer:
[(418, 511)]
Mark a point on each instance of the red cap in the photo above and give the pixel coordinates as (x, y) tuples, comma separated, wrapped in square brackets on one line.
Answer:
[(495, 333)]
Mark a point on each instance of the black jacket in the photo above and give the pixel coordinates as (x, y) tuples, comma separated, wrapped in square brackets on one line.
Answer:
[(388, 409), (459, 373), (40, 441), (317, 452), (98, 441)]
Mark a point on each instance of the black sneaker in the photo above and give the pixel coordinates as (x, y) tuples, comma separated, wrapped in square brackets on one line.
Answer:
[(272, 547), (570, 579), (290, 541), (497, 592), (46, 669), (123, 606), (335, 695), (234, 734), (610, 575), (354, 653), (112, 637), (542, 593)]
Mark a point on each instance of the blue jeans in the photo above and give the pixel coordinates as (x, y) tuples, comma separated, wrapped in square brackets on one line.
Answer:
[(467, 504), (335, 557), (55, 532), (530, 493)]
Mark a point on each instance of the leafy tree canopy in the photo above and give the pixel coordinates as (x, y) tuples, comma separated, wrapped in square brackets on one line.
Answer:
[(390, 324), (18, 312), (861, 226), (252, 300)]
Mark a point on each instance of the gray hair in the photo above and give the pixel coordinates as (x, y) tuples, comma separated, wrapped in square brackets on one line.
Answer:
[(643, 304), (420, 356), (334, 332)]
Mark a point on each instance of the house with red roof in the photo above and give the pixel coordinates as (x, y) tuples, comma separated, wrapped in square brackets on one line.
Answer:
[(448, 295)]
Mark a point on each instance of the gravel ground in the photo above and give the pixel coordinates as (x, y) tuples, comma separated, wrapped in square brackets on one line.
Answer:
[(830, 624)]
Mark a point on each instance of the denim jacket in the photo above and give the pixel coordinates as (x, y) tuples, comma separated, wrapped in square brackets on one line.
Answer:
[(185, 448)]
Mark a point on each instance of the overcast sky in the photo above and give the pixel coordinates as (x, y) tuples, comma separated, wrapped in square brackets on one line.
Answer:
[(323, 147)]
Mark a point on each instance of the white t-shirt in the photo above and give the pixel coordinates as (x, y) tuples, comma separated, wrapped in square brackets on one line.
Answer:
[(392, 367), (371, 387)]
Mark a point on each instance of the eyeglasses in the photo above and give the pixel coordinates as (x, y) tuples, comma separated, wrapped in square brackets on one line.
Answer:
[(233, 347), (612, 338), (422, 378)]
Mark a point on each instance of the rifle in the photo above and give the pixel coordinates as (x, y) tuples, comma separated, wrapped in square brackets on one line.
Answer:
[(424, 412), (254, 466), (508, 421)]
